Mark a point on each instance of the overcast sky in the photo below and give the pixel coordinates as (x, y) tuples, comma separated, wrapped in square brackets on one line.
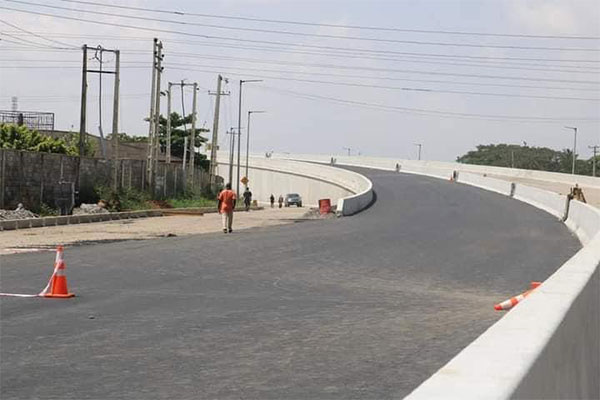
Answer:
[(377, 92)]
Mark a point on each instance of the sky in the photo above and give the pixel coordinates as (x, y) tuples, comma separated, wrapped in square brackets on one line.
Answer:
[(449, 75)]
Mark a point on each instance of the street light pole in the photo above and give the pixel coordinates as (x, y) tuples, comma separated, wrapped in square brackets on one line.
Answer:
[(248, 142), (574, 146), (419, 154), (595, 149), (240, 129)]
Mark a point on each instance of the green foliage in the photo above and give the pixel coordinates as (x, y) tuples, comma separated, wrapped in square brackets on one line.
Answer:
[(22, 138), (47, 211), (183, 202), (132, 199), (526, 157), (178, 135), (123, 137), (124, 199)]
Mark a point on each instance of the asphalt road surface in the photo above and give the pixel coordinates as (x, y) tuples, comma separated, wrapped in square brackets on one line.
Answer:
[(362, 307)]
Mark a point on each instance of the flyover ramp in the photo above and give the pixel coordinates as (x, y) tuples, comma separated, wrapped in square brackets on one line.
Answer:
[(360, 307)]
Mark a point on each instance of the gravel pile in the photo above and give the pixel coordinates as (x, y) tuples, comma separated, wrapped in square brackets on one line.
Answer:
[(89, 209), (19, 213)]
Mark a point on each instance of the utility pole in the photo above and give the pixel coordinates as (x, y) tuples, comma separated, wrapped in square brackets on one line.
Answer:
[(348, 149), (115, 121), (153, 131), (159, 70), (215, 133), (149, 161), (82, 116), (187, 142), (240, 130), (574, 146), (169, 90), (595, 149), (419, 145), (231, 153), (193, 133)]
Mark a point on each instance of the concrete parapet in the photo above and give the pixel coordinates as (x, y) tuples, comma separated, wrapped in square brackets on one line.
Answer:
[(550, 202), (484, 182), (584, 220)]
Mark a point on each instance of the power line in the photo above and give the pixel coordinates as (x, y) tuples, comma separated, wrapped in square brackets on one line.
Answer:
[(438, 113), (411, 58), (387, 87), (315, 35), (25, 41), (220, 68), (36, 35), (353, 50), (361, 27), (588, 70)]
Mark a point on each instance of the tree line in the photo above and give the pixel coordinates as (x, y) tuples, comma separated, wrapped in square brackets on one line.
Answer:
[(17, 137), (529, 157)]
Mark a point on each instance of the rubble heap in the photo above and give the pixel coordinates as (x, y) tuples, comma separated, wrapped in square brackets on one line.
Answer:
[(19, 213)]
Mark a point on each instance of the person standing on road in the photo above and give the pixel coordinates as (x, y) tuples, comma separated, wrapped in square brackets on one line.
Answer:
[(272, 198), (247, 198), (227, 200), (280, 201)]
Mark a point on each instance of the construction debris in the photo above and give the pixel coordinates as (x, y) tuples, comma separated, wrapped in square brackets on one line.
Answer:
[(19, 213), (90, 209)]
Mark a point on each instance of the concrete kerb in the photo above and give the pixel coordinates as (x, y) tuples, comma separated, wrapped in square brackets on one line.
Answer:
[(13, 224)]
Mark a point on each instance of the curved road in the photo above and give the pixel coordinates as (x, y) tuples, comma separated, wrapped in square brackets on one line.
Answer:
[(363, 307)]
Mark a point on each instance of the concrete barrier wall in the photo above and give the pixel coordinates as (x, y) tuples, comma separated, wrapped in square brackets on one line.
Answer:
[(550, 202), (425, 165), (312, 181), (549, 345), (584, 220), (353, 204), (494, 185)]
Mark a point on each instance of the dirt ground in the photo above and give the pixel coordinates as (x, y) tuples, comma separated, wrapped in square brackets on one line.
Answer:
[(47, 238)]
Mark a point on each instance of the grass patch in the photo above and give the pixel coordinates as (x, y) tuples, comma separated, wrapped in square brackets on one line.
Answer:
[(191, 202), (133, 200)]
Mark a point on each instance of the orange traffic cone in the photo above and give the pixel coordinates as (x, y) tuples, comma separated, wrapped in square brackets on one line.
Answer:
[(513, 301), (57, 286)]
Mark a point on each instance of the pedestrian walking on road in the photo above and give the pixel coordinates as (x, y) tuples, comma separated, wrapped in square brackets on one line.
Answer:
[(227, 200), (247, 198), (272, 198), (280, 201)]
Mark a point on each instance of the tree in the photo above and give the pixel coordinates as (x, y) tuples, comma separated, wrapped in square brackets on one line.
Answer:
[(22, 138), (526, 157), (178, 136), (123, 137)]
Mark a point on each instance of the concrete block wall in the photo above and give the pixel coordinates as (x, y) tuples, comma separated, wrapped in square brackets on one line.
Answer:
[(32, 178)]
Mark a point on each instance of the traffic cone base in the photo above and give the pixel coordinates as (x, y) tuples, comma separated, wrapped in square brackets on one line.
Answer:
[(57, 286)]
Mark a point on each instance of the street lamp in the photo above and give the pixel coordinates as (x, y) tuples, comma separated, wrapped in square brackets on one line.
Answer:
[(574, 146), (240, 128), (348, 149), (248, 140), (419, 145)]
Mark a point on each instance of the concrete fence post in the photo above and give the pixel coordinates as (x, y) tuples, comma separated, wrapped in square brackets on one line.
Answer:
[(2, 176), (41, 179)]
